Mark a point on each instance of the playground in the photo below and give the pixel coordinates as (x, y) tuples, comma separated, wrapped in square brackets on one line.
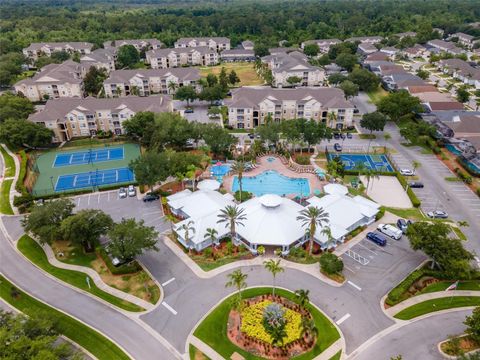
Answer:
[(71, 171)]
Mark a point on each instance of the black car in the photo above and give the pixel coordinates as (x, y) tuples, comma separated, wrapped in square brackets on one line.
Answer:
[(337, 147), (336, 136), (403, 224), (188, 111), (416, 184), (349, 136), (150, 197), (377, 238), (251, 136)]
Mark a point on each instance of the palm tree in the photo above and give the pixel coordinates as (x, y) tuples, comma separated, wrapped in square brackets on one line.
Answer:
[(312, 217), (328, 233), (387, 136), (308, 327), (232, 215), (171, 219), (237, 279), (415, 165), (275, 268), (463, 223), (187, 227), (172, 86), (211, 234), (239, 167), (191, 175), (302, 297), (332, 118)]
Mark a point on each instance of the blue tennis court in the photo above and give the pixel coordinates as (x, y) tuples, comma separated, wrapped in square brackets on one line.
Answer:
[(371, 161), (94, 178), (88, 157)]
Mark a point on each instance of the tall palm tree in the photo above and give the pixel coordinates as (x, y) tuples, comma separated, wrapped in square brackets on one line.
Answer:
[(332, 118), (232, 215), (211, 234), (238, 167), (328, 233), (308, 327), (303, 297), (187, 228), (275, 268), (415, 165), (237, 279), (172, 86), (312, 217)]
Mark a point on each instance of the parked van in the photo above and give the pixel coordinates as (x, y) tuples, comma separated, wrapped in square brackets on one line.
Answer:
[(377, 238), (390, 230)]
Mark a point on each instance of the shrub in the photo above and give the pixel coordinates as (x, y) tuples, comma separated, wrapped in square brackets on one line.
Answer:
[(229, 247), (380, 213), (129, 268), (245, 195), (23, 202), (297, 252), (261, 250), (207, 252), (463, 176), (331, 263), (413, 198), (302, 159), (397, 293), (20, 187)]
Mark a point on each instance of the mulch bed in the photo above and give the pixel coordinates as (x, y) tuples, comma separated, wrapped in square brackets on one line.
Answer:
[(261, 348)]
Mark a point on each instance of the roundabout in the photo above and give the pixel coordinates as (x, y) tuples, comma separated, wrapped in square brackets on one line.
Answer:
[(260, 325)]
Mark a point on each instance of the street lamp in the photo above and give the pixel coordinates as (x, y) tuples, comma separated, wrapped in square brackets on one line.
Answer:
[(51, 182)]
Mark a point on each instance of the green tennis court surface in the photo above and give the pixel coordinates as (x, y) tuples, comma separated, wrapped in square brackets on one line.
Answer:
[(70, 170)]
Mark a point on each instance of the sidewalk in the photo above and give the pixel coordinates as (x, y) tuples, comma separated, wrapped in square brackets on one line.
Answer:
[(312, 269), (97, 280), (390, 312), (13, 192)]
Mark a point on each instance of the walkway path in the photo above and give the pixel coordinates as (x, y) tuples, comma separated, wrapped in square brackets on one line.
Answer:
[(13, 192)]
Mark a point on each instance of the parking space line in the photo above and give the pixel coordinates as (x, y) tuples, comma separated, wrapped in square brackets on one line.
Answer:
[(169, 308), (354, 285), (347, 268), (108, 196), (98, 200), (342, 319), (168, 281), (152, 213), (367, 248), (88, 201), (78, 203)]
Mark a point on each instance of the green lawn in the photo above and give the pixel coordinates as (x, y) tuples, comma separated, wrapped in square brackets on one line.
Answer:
[(337, 356), (89, 142), (213, 329), (473, 285), (196, 354), (459, 233), (9, 163), (91, 340), (34, 252), (411, 213), (430, 306), (5, 207), (377, 95), (244, 70)]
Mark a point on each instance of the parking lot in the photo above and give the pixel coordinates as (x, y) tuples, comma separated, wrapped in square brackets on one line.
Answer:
[(369, 266), (130, 207)]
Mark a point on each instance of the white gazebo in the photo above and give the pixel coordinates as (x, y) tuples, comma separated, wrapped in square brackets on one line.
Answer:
[(208, 184), (335, 189)]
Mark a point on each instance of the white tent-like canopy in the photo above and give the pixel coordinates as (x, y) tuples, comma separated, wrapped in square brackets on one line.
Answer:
[(335, 189), (208, 184)]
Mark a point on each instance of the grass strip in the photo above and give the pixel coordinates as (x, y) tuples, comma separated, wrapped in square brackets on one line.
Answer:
[(34, 252), (83, 335), (434, 305), (337, 356), (213, 329), (5, 207), (196, 354), (9, 163)]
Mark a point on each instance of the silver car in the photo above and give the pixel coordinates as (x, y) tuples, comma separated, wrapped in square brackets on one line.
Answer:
[(131, 190), (122, 193)]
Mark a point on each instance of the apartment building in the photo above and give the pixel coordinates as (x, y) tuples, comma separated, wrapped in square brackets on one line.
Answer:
[(53, 81), (139, 44), (293, 64), (248, 45), (444, 46), (464, 39), (145, 82), (415, 51), (366, 39), (367, 48), (100, 58), (411, 34), (250, 107), (234, 55), (169, 58), (35, 50), (70, 118), (215, 43), (323, 44), (461, 70)]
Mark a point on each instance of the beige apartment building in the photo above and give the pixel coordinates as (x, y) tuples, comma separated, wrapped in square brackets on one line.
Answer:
[(323, 44), (100, 58), (53, 81), (70, 118), (293, 64), (170, 58), (215, 43), (138, 44), (144, 82), (35, 50), (249, 107)]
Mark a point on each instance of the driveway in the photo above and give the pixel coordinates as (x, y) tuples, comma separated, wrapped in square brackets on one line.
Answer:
[(200, 112), (363, 103)]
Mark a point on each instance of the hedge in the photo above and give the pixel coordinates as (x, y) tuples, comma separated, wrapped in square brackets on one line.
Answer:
[(380, 213), (413, 198), (19, 186), (396, 295)]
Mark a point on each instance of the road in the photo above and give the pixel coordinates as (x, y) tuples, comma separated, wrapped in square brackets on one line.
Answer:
[(417, 340), (123, 330)]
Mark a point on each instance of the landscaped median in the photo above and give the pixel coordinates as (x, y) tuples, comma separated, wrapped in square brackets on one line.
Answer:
[(438, 304), (6, 185), (217, 327), (91, 340), (34, 252)]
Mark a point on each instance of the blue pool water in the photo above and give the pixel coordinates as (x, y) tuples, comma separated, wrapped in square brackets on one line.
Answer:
[(219, 171), (371, 161), (271, 159), (271, 182), (453, 149)]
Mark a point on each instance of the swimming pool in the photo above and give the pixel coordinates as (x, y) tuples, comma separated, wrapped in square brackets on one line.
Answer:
[(272, 182), (453, 149), (219, 171)]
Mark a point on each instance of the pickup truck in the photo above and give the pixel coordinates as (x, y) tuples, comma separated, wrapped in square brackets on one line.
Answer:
[(390, 230)]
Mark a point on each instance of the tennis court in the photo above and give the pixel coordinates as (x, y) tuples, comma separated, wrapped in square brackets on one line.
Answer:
[(94, 178), (88, 157), (371, 161), (84, 168)]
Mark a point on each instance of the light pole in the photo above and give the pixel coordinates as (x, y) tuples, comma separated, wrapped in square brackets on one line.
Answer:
[(51, 182)]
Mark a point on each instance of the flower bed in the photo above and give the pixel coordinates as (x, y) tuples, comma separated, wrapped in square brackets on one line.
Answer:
[(246, 328)]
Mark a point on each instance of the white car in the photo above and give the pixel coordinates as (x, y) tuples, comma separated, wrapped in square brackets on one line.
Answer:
[(390, 230), (131, 190), (406, 172), (437, 214), (122, 193)]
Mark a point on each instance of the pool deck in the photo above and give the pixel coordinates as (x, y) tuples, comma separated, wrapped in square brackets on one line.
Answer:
[(263, 165)]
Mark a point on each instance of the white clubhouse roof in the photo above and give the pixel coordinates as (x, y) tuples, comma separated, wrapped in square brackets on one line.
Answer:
[(335, 189), (199, 203), (271, 220), (208, 184)]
